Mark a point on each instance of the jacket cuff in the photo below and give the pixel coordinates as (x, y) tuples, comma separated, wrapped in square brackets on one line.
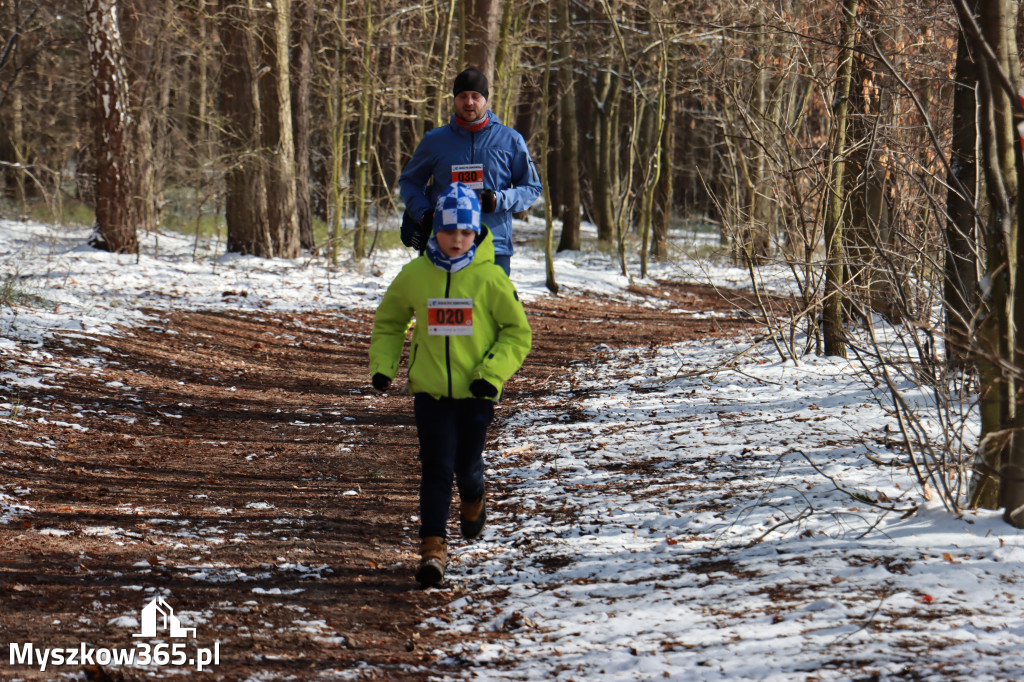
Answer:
[(379, 368)]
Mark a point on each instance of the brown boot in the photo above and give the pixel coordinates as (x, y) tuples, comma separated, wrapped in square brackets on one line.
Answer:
[(433, 558), (472, 517)]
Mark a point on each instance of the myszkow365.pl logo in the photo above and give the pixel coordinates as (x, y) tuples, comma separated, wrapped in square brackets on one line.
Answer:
[(158, 620)]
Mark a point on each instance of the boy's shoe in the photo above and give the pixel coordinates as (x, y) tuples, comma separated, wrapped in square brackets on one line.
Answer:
[(472, 518), (433, 557)]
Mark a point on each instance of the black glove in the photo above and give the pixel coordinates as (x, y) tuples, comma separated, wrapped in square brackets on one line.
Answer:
[(415, 233), (488, 201), (381, 382), (481, 388)]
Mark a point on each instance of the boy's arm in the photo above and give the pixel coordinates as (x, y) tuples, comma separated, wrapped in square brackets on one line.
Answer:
[(515, 337), (390, 324)]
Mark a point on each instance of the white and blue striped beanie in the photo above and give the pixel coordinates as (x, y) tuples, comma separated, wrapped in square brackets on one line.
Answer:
[(457, 209)]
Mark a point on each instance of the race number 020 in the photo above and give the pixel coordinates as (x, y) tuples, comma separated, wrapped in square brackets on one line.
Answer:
[(450, 316)]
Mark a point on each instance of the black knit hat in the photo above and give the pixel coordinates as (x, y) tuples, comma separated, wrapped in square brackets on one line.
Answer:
[(471, 80)]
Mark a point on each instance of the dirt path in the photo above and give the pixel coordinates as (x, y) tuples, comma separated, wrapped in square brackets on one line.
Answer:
[(239, 466)]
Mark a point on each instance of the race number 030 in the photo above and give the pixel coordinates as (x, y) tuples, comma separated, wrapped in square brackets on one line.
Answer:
[(471, 174)]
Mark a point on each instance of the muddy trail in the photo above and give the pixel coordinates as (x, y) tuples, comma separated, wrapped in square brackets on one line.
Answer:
[(240, 466)]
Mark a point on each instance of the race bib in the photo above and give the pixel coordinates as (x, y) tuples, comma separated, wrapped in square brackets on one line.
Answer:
[(471, 174), (450, 316)]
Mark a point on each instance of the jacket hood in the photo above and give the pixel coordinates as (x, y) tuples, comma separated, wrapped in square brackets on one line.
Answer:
[(484, 246)]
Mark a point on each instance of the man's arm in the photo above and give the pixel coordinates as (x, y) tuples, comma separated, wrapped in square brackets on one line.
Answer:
[(524, 180), (413, 181)]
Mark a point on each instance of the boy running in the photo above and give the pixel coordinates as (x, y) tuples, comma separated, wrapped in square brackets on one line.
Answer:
[(471, 336)]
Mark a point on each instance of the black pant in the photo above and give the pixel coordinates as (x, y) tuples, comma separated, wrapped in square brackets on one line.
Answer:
[(452, 436)]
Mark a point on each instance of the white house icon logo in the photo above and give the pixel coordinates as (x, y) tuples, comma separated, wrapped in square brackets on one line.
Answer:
[(166, 621)]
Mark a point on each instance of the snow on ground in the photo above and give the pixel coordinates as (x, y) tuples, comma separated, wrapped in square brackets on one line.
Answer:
[(664, 515), (681, 522)]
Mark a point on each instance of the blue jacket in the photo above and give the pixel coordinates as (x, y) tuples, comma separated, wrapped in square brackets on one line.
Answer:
[(508, 170)]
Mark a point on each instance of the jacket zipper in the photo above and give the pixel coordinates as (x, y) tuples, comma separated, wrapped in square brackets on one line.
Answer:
[(448, 340)]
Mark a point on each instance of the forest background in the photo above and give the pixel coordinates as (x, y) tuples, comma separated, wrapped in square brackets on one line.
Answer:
[(869, 147)]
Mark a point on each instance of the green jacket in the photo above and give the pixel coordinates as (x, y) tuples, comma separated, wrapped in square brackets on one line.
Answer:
[(445, 366)]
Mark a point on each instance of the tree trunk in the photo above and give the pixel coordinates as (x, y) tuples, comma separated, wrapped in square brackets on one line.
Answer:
[(651, 137), (482, 35), (442, 111), (549, 260), (756, 237), (656, 129), (960, 294), (147, 70), (506, 59), (832, 314), (245, 181), (115, 172), (869, 231), (362, 170), (281, 200), (19, 150), (665, 198), (995, 342), (302, 39), (570, 168), (606, 96), (337, 106)]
